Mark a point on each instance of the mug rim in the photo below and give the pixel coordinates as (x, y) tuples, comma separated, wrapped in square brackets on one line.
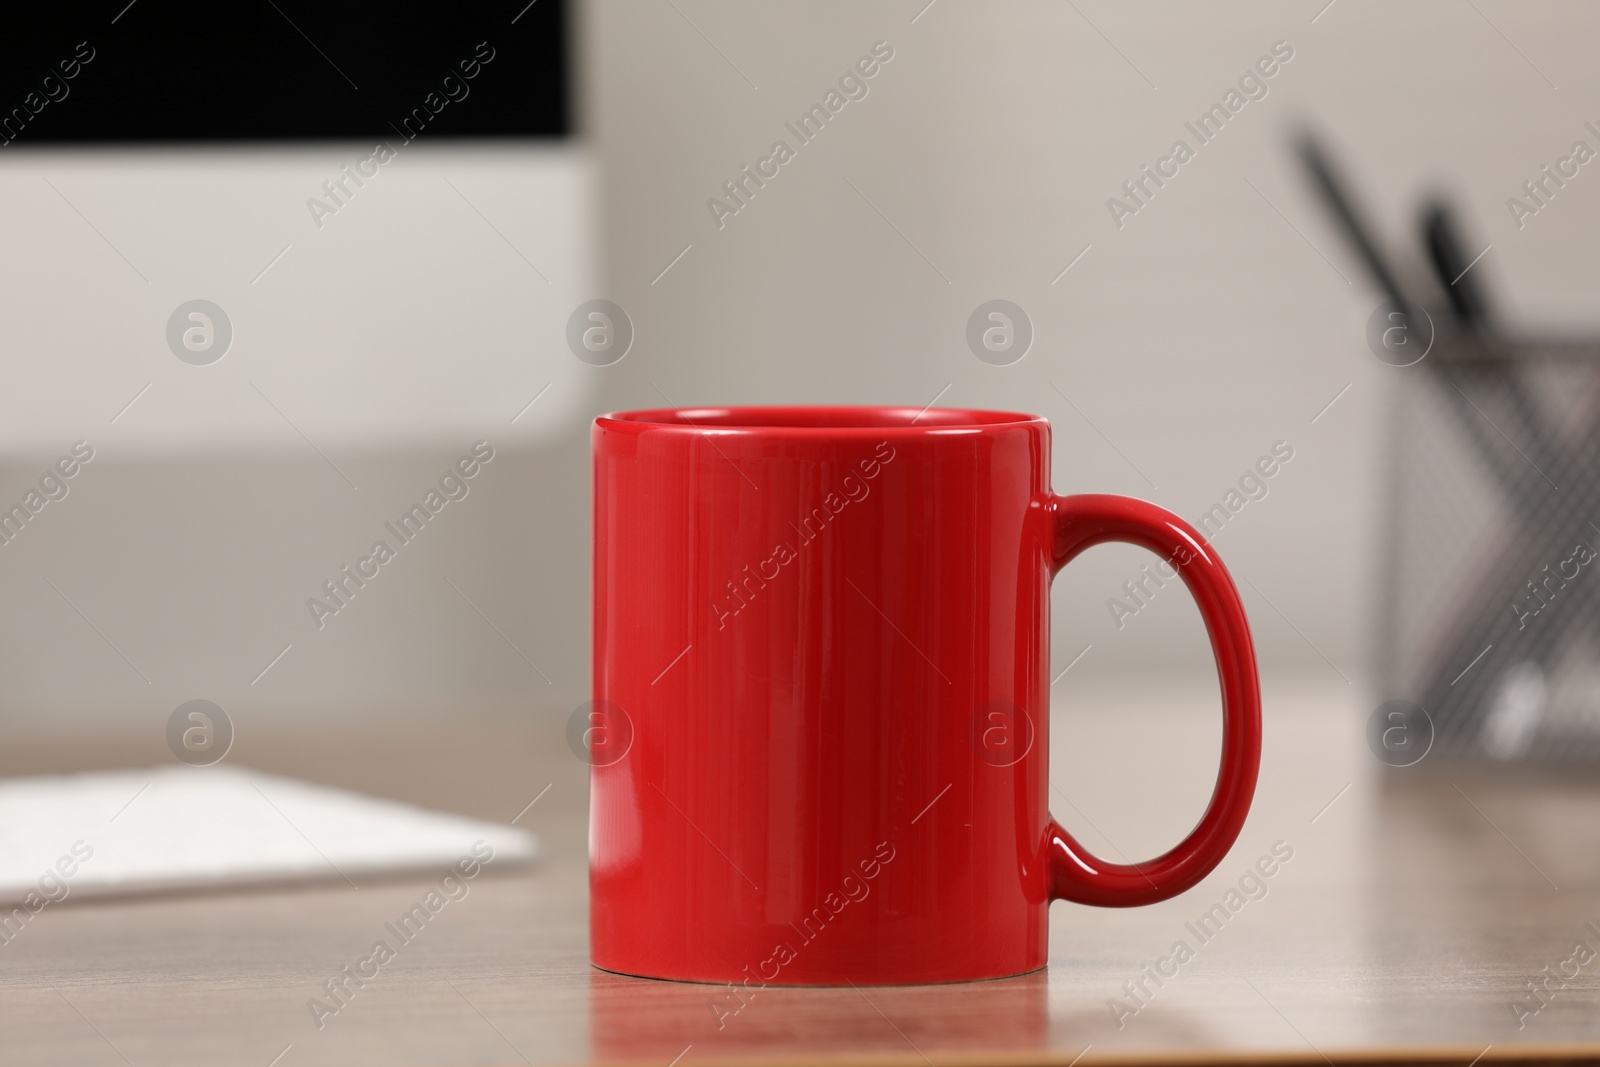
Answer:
[(815, 420)]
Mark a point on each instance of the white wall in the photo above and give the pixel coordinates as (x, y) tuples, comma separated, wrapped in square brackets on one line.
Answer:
[(1220, 319)]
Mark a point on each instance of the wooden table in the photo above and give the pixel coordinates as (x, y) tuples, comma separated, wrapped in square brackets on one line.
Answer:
[(1414, 909)]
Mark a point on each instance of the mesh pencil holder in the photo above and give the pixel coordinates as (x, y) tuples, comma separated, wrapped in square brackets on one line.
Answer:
[(1490, 603)]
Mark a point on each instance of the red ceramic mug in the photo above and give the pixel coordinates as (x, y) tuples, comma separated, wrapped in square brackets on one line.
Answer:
[(819, 732)]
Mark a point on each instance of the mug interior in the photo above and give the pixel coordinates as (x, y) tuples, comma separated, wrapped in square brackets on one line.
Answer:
[(820, 418)]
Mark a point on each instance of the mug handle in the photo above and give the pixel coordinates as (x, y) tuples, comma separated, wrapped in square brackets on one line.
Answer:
[(1078, 522)]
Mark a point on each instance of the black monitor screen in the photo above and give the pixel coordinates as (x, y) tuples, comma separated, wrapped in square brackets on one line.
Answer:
[(249, 70)]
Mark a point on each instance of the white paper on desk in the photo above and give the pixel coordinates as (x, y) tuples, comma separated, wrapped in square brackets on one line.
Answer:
[(193, 827)]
